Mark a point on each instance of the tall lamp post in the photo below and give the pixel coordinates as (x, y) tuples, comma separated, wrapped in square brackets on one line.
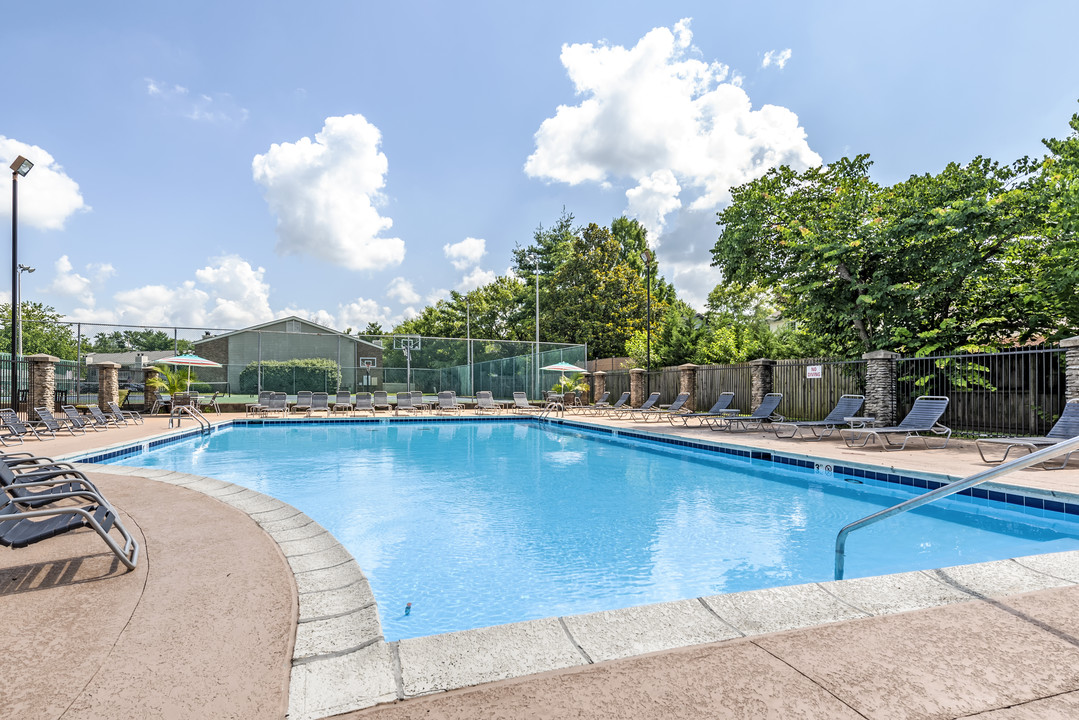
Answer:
[(535, 362), (18, 299), (19, 168), (646, 255)]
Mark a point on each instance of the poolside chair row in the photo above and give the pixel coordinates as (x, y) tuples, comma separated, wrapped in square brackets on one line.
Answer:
[(13, 428), (42, 498)]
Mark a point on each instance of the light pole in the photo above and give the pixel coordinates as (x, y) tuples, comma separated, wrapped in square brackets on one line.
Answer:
[(646, 255), (19, 168), (535, 362), (22, 269), (468, 336)]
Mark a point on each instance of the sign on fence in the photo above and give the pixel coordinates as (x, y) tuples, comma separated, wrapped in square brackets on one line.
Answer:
[(814, 372)]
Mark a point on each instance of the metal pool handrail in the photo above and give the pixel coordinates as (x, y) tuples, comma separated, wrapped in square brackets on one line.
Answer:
[(1061, 448)]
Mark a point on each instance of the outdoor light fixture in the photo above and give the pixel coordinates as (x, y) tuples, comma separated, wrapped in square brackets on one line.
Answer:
[(646, 255), (19, 168), (22, 269), (21, 165)]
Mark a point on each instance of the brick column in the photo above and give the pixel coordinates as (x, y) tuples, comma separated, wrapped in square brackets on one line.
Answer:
[(636, 387), (108, 384), (151, 393), (587, 400), (687, 383), (1071, 368), (880, 386), (599, 384), (761, 372), (42, 390)]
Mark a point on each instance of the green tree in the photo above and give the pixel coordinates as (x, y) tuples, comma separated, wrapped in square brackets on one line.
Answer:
[(43, 331), (921, 265)]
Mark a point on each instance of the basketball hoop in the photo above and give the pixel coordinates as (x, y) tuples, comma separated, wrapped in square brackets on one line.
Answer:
[(407, 343)]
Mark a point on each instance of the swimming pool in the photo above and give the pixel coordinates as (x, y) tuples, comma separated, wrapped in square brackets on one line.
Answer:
[(478, 523)]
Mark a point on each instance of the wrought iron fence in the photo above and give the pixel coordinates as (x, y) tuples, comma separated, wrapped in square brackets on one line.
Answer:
[(1015, 393), (812, 387)]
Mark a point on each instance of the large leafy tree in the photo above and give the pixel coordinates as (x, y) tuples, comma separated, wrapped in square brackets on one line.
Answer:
[(43, 331), (917, 266)]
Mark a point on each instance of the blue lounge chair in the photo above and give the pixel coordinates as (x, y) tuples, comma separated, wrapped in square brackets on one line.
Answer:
[(675, 408), (722, 407), (765, 411), (623, 412), (923, 418), (1066, 427), (601, 404), (847, 407)]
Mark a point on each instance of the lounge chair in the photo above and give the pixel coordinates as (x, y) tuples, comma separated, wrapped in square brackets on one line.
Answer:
[(521, 404), (364, 403), (620, 413), (211, 404), (1066, 427), (617, 407), (765, 411), (380, 400), (485, 402), (418, 402), (303, 402), (847, 407), (47, 420), (163, 401), (924, 417), (134, 416), (21, 527), (404, 404), (320, 402), (38, 485), (447, 402), (278, 404), (77, 420), (258, 407), (721, 408), (343, 402), (15, 427), (101, 419), (675, 408), (600, 404)]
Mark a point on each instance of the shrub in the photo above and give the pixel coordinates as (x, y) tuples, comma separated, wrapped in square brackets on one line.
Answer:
[(315, 374)]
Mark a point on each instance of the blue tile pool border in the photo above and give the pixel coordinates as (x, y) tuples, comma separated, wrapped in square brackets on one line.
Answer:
[(1058, 502)]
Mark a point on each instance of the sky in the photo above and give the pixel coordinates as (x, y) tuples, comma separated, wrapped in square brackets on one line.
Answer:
[(218, 165)]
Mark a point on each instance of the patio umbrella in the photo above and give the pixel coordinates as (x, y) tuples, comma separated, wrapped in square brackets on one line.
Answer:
[(189, 360), (563, 367)]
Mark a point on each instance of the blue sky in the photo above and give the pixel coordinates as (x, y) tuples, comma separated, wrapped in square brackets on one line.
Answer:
[(221, 164)]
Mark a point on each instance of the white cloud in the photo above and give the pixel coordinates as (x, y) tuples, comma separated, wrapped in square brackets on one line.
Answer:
[(463, 255), (217, 108), (475, 279), (241, 296), (435, 295), (326, 194), (47, 196), (681, 130), (101, 271), (403, 291), (778, 58), (71, 284), (361, 311), (183, 304)]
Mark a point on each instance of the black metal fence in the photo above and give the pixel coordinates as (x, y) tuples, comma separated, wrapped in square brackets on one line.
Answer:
[(1016, 393)]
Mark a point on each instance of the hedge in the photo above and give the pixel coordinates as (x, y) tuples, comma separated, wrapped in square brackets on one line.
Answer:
[(289, 376)]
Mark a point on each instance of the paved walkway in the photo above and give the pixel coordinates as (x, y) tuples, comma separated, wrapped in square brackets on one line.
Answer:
[(205, 627)]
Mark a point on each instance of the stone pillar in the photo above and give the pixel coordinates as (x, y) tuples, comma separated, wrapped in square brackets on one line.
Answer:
[(151, 394), (687, 383), (880, 386), (636, 387), (761, 373), (108, 384), (42, 390), (599, 384), (586, 400), (1071, 368)]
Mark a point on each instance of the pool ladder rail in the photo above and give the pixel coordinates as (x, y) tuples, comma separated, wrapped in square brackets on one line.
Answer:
[(181, 410), (1061, 448)]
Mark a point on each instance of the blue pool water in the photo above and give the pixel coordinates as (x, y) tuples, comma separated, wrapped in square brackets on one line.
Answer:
[(477, 524)]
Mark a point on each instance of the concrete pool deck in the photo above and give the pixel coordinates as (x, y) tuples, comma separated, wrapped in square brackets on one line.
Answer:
[(896, 646)]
